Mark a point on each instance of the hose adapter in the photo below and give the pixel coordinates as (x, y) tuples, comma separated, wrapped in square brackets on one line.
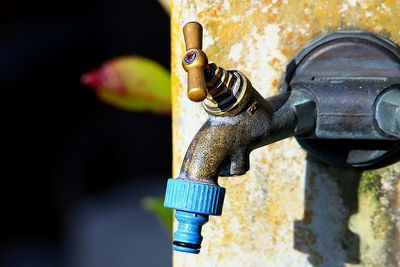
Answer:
[(193, 203)]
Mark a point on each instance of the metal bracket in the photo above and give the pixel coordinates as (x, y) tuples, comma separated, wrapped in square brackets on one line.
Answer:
[(346, 72)]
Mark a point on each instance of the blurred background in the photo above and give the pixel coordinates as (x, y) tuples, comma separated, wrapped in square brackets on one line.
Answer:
[(74, 169)]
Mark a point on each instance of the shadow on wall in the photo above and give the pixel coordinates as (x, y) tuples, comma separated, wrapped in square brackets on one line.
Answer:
[(331, 198)]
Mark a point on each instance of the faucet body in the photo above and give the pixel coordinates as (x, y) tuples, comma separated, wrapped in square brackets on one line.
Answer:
[(222, 147), (223, 144)]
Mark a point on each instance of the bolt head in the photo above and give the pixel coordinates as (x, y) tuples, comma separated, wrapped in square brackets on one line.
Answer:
[(387, 113), (190, 57)]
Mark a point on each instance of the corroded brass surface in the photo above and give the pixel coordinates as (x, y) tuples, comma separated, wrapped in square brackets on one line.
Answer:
[(223, 144)]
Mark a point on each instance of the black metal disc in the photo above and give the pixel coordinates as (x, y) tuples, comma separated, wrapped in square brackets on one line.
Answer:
[(345, 57)]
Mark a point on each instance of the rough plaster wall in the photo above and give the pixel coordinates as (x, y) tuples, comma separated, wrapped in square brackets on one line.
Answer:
[(288, 210)]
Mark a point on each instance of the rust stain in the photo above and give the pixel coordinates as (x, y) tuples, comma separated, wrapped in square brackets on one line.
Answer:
[(275, 83)]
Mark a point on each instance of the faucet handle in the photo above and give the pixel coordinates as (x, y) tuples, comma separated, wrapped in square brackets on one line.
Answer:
[(195, 61)]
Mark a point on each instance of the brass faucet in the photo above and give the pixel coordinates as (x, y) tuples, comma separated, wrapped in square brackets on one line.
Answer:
[(240, 120)]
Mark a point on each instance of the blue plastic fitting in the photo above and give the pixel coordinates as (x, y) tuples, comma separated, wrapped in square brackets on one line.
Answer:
[(188, 236), (193, 203)]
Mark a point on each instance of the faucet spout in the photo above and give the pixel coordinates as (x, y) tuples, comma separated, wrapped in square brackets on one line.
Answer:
[(223, 144)]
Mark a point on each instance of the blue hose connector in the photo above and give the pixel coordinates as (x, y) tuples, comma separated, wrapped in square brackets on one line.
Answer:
[(193, 203)]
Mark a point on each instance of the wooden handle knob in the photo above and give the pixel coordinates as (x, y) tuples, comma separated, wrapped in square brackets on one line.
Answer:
[(197, 86), (193, 34), (195, 61)]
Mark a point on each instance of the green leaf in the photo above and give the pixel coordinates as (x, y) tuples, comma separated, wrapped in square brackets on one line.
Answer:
[(156, 206), (132, 83)]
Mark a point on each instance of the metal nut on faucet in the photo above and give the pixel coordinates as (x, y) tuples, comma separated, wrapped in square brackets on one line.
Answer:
[(387, 112)]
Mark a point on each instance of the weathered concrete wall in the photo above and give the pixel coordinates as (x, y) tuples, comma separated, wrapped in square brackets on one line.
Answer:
[(289, 210)]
